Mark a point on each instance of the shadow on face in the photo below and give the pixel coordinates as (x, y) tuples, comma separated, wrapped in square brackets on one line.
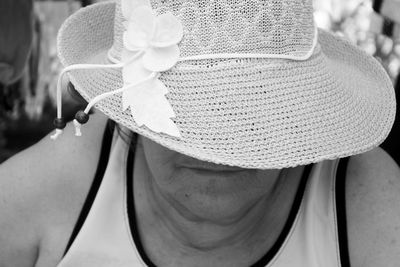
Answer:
[(207, 189)]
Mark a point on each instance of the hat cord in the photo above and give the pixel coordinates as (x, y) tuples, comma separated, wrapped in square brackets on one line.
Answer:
[(82, 116), (256, 55), (78, 123)]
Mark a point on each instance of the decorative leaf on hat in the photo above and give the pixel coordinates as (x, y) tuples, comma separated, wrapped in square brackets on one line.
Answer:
[(152, 42), (150, 107)]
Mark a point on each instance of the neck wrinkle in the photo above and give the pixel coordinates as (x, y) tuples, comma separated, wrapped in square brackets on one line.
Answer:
[(176, 236), (182, 227)]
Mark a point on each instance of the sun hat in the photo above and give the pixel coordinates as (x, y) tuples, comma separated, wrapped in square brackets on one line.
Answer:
[(246, 83)]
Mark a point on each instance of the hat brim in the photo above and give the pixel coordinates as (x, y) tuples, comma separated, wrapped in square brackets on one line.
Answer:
[(251, 113)]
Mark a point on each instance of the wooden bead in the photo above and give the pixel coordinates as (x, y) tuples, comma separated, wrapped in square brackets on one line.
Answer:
[(82, 117), (59, 123)]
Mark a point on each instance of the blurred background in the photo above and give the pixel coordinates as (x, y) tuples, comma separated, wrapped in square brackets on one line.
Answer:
[(29, 66)]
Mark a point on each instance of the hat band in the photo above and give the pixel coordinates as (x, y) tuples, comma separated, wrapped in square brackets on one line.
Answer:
[(306, 56)]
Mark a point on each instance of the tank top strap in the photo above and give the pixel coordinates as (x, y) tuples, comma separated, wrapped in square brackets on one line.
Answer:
[(315, 235), (319, 237), (104, 240), (98, 178)]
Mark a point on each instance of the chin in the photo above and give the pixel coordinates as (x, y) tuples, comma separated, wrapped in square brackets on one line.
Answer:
[(218, 210), (221, 198)]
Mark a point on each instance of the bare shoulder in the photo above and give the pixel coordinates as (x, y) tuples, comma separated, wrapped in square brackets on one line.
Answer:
[(42, 190), (373, 209)]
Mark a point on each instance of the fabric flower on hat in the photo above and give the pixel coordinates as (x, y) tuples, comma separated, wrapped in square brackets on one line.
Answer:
[(150, 46), (127, 6)]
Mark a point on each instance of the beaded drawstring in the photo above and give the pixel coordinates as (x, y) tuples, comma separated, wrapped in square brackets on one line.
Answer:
[(82, 116)]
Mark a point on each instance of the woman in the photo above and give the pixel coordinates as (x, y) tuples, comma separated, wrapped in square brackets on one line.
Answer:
[(237, 113)]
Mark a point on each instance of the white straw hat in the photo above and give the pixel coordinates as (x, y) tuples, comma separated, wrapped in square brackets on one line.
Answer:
[(248, 83)]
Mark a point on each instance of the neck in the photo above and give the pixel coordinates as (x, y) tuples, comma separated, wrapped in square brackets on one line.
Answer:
[(196, 231), (168, 226)]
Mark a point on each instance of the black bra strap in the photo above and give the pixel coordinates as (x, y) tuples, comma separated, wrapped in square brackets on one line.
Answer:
[(267, 258), (341, 212), (101, 168)]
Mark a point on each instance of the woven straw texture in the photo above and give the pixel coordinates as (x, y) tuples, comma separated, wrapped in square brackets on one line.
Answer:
[(283, 27), (251, 113)]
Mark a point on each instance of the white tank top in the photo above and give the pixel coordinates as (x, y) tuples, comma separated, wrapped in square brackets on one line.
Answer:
[(311, 238)]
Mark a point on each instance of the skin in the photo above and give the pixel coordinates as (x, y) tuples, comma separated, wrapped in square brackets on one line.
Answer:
[(37, 212), (193, 213)]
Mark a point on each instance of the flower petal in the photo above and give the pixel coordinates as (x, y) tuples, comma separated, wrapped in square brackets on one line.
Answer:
[(133, 72), (138, 45), (127, 55), (141, 26), (127, 6), (169, 31), (150, 107), (161, 59)]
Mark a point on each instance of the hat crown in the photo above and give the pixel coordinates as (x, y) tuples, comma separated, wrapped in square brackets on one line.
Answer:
[(215, 27)]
